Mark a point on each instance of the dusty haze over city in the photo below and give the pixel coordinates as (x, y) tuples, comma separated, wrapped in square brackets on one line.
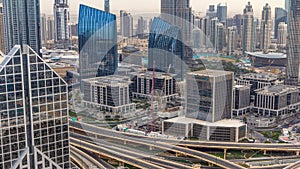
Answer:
[(153, 6)]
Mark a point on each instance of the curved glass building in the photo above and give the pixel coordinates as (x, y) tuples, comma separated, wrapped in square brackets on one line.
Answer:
[(165, 47), (97, 32)]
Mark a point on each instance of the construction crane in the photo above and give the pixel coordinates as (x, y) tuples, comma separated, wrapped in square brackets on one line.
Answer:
[(160, 94)]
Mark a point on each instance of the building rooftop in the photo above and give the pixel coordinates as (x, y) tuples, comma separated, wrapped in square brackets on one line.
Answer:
[(112, 80), (210, 73), (221, 123), (272, 55), (161, 75), (259, 76), (277, 89)]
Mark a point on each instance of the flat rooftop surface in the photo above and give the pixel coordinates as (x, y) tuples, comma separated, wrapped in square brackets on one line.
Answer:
[(267, 55), (221, 123), (210, 73)]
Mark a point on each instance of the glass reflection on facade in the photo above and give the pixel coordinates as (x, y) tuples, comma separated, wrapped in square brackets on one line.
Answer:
[(165, 47), (97, 31), (33, 113)]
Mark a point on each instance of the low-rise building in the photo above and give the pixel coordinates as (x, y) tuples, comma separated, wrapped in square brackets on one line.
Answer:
[(109, 93), (223, 130), (276, 100)]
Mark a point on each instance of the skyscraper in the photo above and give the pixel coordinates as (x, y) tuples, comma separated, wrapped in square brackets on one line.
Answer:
[(141, 27), (179, 13), (222, 12), (293, 48), (34, 113), (231, 40), (126, 24), (213, 32), (165, 47), (220, 37), (2, 42), (106, 6), (211, 12), (248, 29), (282, 34), (22, 23), (61, 21), (44, 32), (97, 32), (50, 28), (280, 16), (266, 28)]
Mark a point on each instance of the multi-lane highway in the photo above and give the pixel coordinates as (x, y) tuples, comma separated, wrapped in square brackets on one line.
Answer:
[(95, 132), (293, 166), (113, 154), (149, 158)]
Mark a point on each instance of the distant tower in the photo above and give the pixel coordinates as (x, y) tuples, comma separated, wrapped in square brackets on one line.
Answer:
[(280, 16), (248, 29), (213, 32), (61, 21), (231, 39), (222, 12), (179, 13), (282, 34), (22, 24), (126, 24), (106, 6), (220, 37), (44, 32), (293, 52), (266, 28)]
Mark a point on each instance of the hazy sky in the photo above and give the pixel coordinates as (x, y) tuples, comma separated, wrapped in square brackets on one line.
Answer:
[(153, 6)]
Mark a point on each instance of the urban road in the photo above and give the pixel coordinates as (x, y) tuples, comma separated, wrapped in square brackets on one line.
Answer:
[(95, 132)]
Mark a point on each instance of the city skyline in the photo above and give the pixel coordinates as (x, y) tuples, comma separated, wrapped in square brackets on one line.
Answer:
[(153, 6)]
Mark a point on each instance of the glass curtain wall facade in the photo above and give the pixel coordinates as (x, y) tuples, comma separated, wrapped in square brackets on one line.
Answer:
[(33, 113), (165, 47), (97, 31), (22, 23), (293, 49)]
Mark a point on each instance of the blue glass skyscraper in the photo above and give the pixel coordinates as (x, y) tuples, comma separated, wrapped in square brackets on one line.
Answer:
[(22, 23), (97, 31), (165, 47)]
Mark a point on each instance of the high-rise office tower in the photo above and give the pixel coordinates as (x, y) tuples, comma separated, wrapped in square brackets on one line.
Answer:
[(280, 16), (126, 24), (106, 6), (179, 13), (221, 37), (50, 29), (238, 20), (44, 32), (165, 47), (293, 48), (22, 23), (211, 12), (197, 38), (222, 12), (33, 112), (213, 32), (266, 28), (248, 29), (2, 37), (61, 21), (209, 97), (282, 34), (231, 40), (97, 32), (141, 27)]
